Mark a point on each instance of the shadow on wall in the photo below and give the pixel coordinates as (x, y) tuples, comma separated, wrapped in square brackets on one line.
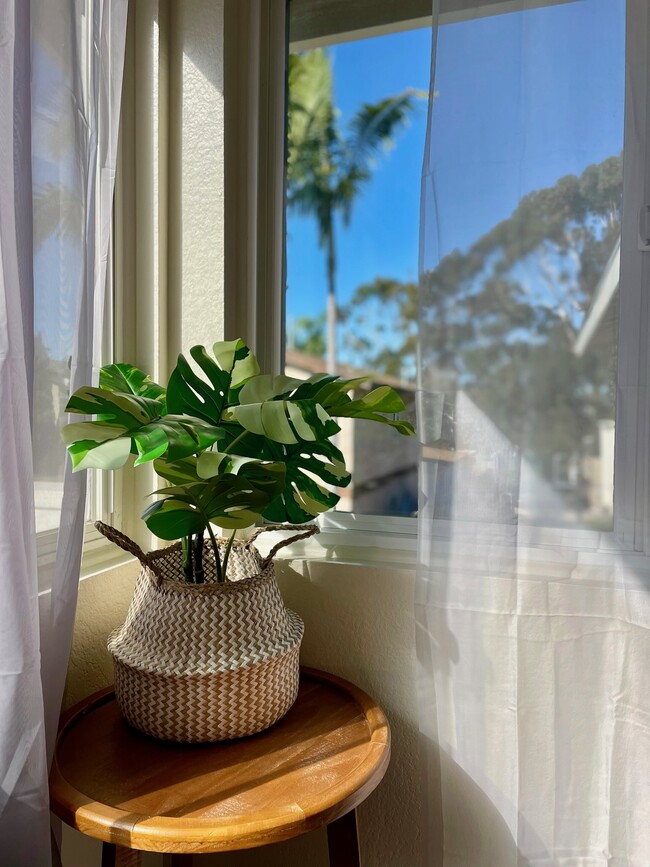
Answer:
[(359, 625), (468, 829)]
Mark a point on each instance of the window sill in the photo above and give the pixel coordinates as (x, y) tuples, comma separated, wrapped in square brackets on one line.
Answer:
[(98, 555), (542, 553), (354, 539)]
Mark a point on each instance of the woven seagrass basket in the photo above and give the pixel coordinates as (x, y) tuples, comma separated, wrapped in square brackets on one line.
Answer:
[(211, 661)]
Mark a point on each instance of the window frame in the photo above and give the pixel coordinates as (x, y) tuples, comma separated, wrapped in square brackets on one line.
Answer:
[(632, 431), (335, 22)]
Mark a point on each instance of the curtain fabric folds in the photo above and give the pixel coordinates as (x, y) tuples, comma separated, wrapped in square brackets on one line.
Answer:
[(532, 616), (60, 80), (23, 772)]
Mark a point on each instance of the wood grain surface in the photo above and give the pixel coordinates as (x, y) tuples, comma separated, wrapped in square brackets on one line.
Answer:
[(313, 766)]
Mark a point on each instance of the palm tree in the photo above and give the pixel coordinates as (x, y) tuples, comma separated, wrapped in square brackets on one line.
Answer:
[(327, 169)]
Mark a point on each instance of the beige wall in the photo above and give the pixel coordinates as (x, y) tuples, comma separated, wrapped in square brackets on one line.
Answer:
[(359, 625), (196, 174)]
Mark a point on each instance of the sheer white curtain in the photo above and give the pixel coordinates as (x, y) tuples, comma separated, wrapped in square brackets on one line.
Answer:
[(533, 591), (60, 79)]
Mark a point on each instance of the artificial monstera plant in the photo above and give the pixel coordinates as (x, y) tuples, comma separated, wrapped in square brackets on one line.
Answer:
[(234, 445)]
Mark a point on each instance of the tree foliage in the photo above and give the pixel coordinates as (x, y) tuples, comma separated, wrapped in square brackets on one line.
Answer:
[(501, 318)]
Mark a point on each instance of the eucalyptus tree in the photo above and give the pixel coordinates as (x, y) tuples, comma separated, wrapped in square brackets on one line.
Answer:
[(502, 318), (327, 167)]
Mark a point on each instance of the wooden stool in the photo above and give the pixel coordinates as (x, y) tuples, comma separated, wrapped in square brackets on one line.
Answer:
[(312, 768)]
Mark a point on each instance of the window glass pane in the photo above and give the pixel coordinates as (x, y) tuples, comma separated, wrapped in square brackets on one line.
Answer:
[(521, 289), (58, 265), (60, 255), (357, 120), (520, 299), (51, 384)]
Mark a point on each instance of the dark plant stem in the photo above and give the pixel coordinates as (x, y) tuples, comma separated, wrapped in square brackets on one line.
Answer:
[(186, 546), (227, 555), (199, 576), (217, 559), (237, 439)]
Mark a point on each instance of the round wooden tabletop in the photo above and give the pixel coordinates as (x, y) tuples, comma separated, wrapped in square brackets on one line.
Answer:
[(317, 763)]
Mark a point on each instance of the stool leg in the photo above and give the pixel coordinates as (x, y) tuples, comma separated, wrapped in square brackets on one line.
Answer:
[(119, 856), (343, 841)]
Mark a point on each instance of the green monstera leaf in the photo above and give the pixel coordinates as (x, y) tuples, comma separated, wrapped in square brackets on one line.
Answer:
[(304, 497), (174, 518), (231, 501), (233, 445), (268, 408), (128, 423), (118, 417), (127, 379), (128, 410), (267, 475), (89, 454), (179, 472), (187, 392), (210, 464), (310, 468), (218, 493), (371, 406), (377, 405)]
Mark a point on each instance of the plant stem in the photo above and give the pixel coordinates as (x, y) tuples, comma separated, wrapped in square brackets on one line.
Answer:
[(186, 545), (198, 559), (217, 560), (237, 439), (227, 554)]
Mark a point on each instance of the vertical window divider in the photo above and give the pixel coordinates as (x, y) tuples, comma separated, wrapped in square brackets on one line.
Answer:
[(631, 465)]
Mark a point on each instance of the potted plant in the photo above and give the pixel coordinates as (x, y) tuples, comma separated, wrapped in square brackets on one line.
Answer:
[(208, 651)]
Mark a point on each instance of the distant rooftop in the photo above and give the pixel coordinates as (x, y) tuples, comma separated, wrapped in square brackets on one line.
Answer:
[(316, 364)]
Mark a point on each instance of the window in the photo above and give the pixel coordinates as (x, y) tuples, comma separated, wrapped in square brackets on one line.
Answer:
[(376, 275), (354, 164), (521, 279), (60, 188), (535, 284)]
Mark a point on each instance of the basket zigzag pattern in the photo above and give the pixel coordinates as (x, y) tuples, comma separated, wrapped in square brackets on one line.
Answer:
[(183, 629), (208, 708), (206, 662)]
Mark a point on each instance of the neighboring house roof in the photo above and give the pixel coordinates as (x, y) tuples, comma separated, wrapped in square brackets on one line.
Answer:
[(311, 364)]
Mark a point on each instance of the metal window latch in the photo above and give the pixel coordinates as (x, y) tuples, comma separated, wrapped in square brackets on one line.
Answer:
[(644, 227)]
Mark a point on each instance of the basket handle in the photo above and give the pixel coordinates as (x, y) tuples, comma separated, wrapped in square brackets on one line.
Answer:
[(126, 544), (305, 533)]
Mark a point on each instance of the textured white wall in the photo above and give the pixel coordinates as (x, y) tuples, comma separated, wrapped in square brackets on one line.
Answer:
[(196, 180), (102, 605), (359, 625)]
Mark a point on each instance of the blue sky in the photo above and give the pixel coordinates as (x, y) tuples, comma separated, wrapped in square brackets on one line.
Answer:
[(498, 133), (382, 237)]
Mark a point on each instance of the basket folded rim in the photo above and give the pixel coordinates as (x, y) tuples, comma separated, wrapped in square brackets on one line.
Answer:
[(165, 584), (295, 638), (287, 643)]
